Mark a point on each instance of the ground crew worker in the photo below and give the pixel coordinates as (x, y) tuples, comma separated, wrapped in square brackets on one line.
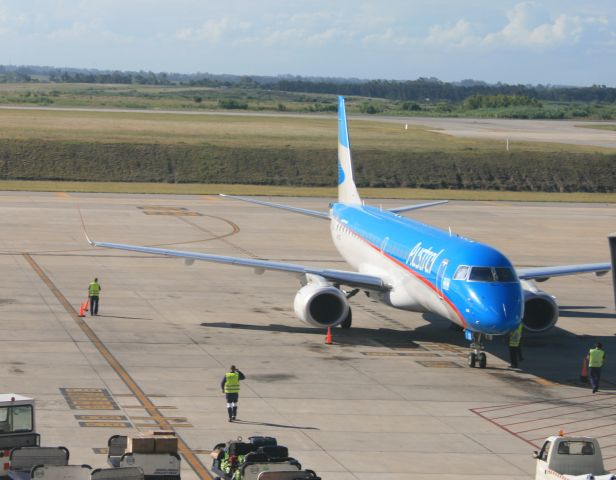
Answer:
[(94, 291), (596, 357), (515, 337), (230, 386)]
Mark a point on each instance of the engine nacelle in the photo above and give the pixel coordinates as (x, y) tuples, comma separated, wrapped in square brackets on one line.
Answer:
[(321, 305), (540, 310)]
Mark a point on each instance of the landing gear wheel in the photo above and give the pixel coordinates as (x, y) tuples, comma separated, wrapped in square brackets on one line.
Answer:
[(472, 359), (346, 323), (483, 360)]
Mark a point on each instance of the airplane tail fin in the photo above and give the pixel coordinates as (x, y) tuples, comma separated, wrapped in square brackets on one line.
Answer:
[(347, 191)]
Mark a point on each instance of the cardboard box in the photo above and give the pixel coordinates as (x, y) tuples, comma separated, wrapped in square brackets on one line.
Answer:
[(166, 444), (140, 445)]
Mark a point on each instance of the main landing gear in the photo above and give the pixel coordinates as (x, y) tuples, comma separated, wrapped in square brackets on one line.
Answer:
[(346, 323), (476, 355)]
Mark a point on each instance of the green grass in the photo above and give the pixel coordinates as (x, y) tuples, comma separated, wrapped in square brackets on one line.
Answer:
[(247, 131), (327, 192), (607, 126)]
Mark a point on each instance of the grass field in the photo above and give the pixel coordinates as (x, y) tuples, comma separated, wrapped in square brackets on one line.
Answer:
[(327, 192), (281, 150), (245, 131), (610, 127)]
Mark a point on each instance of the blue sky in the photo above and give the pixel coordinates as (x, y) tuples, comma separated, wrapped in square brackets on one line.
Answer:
[(557, 42)]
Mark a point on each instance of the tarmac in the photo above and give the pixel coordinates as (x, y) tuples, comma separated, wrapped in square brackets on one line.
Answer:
[(391, 399)]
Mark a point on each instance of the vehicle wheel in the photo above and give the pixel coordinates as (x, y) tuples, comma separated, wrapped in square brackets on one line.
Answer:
[(346, 323), (483, 360), (472, 359)]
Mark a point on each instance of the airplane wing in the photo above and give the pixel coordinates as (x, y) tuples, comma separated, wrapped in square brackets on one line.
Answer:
[(544, 273), (352, 279), (303, 211), (417, 206)]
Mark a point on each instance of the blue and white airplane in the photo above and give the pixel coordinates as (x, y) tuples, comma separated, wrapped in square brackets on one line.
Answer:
[(407, 265)]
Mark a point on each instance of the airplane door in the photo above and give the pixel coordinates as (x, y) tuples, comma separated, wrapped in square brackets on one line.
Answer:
[(384, 243), (441, 281)]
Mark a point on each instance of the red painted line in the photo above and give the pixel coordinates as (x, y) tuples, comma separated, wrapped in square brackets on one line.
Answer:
[(548, 408), (500, 407), (590, 428), (410, 270), (559, 415), (505, 429), (567, 423)]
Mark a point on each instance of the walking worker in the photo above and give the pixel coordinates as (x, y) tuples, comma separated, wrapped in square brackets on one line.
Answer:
[(94, 291), (515, 337), (596, 357), (230, 386)]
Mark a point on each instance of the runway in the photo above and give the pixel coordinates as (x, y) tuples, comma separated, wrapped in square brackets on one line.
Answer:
[(391, 399)]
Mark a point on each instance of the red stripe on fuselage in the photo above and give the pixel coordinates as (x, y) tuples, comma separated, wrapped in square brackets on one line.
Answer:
[(406, 267)]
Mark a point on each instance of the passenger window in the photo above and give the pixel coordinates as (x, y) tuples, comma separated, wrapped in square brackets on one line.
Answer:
[(461, 273), (481, 274), (505, 275)]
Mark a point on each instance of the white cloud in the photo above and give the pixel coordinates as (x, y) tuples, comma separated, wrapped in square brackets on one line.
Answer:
[(212, 30), (460, 35), (523, 30)]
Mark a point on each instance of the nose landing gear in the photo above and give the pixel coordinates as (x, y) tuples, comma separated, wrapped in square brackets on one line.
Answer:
[(476, 355)]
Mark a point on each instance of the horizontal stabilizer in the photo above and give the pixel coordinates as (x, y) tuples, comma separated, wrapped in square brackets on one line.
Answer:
[(303, 211), (417, 206)]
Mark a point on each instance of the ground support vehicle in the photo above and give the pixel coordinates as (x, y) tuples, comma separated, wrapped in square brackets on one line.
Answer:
[(563, 458), (155, 465), (25, 460), (258, 459), (17, 427)]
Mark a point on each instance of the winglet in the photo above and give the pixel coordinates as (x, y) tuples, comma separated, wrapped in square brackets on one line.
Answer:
[(83, 228)]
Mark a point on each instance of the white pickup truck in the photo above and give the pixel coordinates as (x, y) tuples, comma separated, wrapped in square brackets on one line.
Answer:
[(570, 458)]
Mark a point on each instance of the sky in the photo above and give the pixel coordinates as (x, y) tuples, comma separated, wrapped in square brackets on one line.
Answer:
[(558, 42)]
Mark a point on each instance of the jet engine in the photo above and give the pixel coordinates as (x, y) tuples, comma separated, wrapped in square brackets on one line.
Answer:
[(540, 309), (320, 304)]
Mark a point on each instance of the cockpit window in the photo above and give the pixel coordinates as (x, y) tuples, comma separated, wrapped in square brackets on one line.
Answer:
[(461, 272), (481, 274), (504, 274), (492, 274)]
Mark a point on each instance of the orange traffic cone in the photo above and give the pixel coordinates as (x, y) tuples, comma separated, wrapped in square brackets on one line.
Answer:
[(328, 338), (82, 312), (584, 373)]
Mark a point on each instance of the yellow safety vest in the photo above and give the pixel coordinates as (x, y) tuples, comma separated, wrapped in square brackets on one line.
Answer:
[(232, 384), (595, 357), (515, 336), (95, 289)]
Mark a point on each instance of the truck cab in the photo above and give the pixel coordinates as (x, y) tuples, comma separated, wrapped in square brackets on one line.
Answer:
[(561, 456), (17, 427)]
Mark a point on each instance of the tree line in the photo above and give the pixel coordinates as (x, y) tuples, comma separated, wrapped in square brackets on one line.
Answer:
[(420, 90)]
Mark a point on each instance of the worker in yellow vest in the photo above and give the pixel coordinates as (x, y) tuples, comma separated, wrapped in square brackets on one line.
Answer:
[(596, 357), (94, 291), (230, 386), (515, 337)]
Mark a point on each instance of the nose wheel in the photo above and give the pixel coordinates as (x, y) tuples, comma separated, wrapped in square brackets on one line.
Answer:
[(477, 356)]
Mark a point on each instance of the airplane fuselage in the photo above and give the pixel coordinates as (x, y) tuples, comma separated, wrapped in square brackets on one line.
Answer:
[(430, 270)]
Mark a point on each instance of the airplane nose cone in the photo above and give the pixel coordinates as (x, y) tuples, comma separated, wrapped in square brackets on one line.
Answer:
[(497, 314)]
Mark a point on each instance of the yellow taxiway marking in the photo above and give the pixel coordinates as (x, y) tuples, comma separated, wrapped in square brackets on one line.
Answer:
[(63, 195), (147, 404)]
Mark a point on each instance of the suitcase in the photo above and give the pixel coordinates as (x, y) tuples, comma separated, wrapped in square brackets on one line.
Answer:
[(260, 441), (240, 448), (274, 451)]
